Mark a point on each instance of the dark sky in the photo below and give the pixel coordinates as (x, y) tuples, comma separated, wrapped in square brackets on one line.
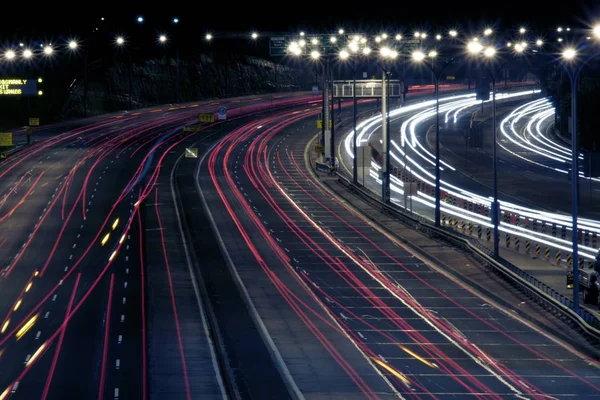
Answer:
[(198, 16)]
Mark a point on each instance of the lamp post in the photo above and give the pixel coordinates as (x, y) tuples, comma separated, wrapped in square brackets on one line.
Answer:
[(476, 48), (573, 71), (354, 50), (420, 57), (387, 55)]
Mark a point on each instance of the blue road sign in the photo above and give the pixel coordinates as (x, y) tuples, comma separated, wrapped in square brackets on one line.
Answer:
[(222, 112)]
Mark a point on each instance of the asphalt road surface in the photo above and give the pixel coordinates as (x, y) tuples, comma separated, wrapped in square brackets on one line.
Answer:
[(352, 312), (87, 309)]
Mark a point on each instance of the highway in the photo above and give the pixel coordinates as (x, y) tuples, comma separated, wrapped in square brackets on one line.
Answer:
[(388, 323), (466, 200), (85, 312)]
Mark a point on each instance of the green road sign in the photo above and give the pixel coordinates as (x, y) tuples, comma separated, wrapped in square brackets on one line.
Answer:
[(277, 45)]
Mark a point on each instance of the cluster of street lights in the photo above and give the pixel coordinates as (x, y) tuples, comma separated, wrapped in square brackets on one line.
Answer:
[(489, 51)]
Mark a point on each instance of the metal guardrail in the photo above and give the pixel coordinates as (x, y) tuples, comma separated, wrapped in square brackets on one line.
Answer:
[(537, 290)]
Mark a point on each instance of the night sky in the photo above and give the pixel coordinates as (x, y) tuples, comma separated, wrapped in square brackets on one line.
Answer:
[(53, 18)]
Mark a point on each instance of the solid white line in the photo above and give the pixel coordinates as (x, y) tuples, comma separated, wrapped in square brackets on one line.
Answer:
[(211, 345), (268, 340)]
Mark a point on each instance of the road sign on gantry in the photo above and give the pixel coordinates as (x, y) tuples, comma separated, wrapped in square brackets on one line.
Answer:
[(222, 113), (277, 45), (6, 139)]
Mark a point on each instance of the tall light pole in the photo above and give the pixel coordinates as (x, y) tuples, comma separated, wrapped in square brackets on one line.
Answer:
[(355, 49), (387, 55), (573, 71), (489, 52), (420, 56)]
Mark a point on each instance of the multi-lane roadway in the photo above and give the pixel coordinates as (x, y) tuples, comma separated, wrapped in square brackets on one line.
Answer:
[(133, 271), (388, 323)]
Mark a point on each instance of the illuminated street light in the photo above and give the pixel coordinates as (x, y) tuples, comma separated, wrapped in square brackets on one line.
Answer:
[(385, 51), (560, 39), (315, 55), (433, 54), (120, 40), (366, 51), (509, 44), (363, 40), (353, 46), (40, 93), (73, 45), (489, 52), (378, 39), (175, 20), (453, 33), (539, 42), (209, 37), (254, 35), (344, 55), (48, 50), (301, 33), (488, 32), (524, 45), (314, 41), (140, 19), (597, 31), (10, 55), (40, 80), (519, 48), (418, 55), (559, 29), (522, 30), (384, 36), (569, 53), (27, 53), (333, 39), (341, 31), (398, 37), (438, 37), (423, 35), (417, 34), (162, 38), (301, 42), (21, 44), (393, 54), (474, 47)]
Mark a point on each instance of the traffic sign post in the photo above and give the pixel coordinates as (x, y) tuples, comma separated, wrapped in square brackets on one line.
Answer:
[(222, 113), (206, 118), (6, 139), (191, 152)]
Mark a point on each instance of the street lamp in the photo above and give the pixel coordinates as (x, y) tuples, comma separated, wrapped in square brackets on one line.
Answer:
[(27, 53), (354, 47), (254, 35), (387, 55), (10, 55), (208, 37), (489, 53), (573, 69), (73, 45), (48, 50), (162, 39), (420, 57)]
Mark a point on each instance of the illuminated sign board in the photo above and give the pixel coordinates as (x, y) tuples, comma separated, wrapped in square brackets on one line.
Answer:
[(18, 87)]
